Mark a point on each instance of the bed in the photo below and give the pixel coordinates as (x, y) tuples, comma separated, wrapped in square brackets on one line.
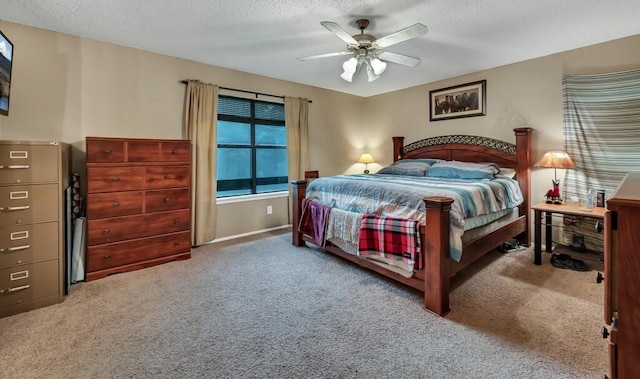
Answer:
[(438, 267)]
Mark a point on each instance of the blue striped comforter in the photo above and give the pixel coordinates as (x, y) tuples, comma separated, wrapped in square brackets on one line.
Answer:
[(402, 197)]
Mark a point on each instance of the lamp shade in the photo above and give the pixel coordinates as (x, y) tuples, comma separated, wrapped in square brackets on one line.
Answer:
[(366, 158), (555, 159)]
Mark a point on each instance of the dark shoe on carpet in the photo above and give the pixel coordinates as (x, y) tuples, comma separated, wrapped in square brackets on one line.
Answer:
[(565, 261)]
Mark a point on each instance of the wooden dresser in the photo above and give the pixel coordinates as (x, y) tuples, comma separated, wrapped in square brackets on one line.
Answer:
[(622, 278), (138, 203), (33, 178)]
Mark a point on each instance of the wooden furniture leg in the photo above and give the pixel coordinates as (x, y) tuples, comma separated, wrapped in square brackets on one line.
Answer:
[(537, 249)]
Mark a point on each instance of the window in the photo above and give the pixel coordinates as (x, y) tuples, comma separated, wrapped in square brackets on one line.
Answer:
[(252, 147)]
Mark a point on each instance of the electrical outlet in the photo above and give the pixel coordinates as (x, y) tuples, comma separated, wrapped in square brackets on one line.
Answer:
[(269, 209)]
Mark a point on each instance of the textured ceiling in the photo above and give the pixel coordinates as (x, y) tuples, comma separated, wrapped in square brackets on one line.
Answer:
[(266, 36)]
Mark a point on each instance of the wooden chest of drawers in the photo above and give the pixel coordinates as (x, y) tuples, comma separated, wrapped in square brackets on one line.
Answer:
[(138, 203), (33, 177)]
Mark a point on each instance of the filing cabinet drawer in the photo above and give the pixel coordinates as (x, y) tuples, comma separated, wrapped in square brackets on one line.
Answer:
[(29, 204), (167, 200), (167, 177), (105, 151), (22, 164), (114, 204), (22, 244), (114, 179), (123, 228), (25, 283), (107, 256)]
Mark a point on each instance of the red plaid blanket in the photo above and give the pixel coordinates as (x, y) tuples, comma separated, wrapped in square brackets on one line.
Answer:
[(391, 238)]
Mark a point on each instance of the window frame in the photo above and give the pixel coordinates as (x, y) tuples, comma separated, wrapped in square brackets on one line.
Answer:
[(252, 184)]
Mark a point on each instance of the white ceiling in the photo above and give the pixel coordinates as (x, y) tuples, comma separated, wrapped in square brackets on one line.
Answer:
[(266, 36)]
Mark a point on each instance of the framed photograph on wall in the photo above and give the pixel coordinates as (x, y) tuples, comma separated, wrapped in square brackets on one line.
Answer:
[(465, 100)]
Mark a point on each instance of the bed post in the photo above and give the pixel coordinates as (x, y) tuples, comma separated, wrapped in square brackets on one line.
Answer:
[(523, 175), (435, 250), (397, 147), (299, 191)]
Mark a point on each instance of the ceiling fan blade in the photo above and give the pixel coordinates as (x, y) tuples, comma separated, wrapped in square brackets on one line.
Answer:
[(325, 55), (404, 60), (341, 33), (413, 31)]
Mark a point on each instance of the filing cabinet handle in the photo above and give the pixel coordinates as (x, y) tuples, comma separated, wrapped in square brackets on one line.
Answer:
[(167, 199), (15, 289), (116, 204), (174, 151), (21, 208), (107, 151), (115, 179), (15, 248), (10, 167)]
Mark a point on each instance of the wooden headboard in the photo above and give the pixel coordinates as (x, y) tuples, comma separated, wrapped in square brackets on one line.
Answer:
[(468, 148)]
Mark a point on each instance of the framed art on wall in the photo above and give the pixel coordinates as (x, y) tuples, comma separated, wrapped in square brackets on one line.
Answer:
[(6, 58), (465, 100)]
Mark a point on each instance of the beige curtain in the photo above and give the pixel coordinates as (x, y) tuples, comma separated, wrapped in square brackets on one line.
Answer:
[(296, 120), (200, 119)]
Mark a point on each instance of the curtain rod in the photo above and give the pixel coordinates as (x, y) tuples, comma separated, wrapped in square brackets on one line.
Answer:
[(241, 90)]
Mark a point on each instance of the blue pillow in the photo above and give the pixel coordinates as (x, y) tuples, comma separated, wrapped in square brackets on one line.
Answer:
[(411, 167), (462, 170), (400, 170)]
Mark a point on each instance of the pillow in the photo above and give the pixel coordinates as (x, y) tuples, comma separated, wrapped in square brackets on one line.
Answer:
[(401, 170), (462, 170), (411, 167), (428, 161), (506, 173)]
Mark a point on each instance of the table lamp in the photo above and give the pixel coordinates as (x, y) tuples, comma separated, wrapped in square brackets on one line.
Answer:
[(555, 160), (366, 158)]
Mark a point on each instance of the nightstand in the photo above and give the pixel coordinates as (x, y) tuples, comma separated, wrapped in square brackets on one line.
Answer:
[(559, 209)]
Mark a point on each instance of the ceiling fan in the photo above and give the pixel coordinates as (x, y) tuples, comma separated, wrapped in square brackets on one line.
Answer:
[(366, 50)]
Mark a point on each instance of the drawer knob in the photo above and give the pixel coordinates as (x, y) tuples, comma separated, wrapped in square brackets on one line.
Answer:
[(167, 199), (106, 231), (174, 151), (176, 243), (167, 176), (107, 151), (115, 179), (107, 256), (176, 221), (116, 204)]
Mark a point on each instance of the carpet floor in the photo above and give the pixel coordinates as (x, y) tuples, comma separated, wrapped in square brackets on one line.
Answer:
[(263, 308)]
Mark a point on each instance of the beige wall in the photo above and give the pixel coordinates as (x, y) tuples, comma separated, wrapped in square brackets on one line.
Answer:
[(66, 88), (528, 93)]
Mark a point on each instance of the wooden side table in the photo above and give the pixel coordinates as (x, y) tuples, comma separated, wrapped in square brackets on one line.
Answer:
[(562, 209)]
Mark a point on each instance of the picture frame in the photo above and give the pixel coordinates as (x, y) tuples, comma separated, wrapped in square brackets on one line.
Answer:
[(6, 62), (464, 100)]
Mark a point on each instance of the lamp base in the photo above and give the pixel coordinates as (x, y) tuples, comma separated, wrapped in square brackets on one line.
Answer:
[(366, 171)]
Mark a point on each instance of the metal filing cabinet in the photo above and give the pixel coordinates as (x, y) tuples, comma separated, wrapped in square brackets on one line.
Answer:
[(33, 177)]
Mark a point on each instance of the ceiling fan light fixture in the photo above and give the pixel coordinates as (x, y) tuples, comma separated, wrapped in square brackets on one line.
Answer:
[(371, 76), (350, 66), (378, 66), (348, 76)]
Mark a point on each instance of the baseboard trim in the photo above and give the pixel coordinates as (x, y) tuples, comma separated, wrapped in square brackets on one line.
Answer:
[(248, 234)]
